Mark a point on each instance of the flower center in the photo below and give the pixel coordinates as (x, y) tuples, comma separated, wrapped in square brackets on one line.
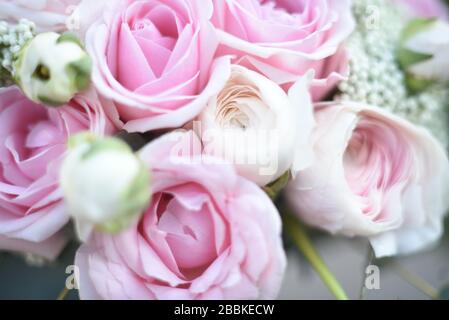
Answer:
[(376, 160), (155, 27), (237, 105), (281, 11), (185, 229), (286, 20)]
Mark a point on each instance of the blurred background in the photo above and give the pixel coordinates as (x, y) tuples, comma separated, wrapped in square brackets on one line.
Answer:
[(420, 276)]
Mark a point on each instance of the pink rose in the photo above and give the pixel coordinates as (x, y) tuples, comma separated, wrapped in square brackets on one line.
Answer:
[(375, 175), (48, 15), (207, 234), (283, 39), (425, 8), (155, 59), (32, 142)]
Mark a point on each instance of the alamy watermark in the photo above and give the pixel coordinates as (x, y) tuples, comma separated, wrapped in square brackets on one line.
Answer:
[(256, 147), (71, 282), (372, 277)]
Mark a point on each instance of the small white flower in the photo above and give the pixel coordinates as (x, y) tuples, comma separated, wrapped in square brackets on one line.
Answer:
[(106, 186), (51, 68)]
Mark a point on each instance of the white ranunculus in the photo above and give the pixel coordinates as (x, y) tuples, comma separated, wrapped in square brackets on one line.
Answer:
[(429, 43), (106, 186), (52, 68), (255, 125)]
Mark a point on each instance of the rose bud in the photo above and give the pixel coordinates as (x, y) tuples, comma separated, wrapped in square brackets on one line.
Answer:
[(51, 68), (106, 186)]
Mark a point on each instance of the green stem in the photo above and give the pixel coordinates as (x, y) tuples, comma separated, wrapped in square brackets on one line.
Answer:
[(63, 294), (302, 241), (416, 281)]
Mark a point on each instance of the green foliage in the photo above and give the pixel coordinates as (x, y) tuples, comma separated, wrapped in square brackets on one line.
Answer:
[(407, 58)]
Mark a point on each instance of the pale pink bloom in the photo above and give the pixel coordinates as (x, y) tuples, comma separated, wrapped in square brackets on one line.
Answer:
[(156, 60), (207, 234), (283, 39), (32, 143), (48, 15), (375, 175)]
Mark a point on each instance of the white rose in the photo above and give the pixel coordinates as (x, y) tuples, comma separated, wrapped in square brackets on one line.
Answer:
[(255, 125), (106, 186)]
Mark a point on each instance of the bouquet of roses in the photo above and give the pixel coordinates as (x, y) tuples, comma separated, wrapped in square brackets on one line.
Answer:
[(175, 138)]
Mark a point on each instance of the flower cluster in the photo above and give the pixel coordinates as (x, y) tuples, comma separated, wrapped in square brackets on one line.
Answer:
[(339, 105)]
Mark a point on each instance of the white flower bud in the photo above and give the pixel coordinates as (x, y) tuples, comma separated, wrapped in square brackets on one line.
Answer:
[(105, 185), (51, 68)]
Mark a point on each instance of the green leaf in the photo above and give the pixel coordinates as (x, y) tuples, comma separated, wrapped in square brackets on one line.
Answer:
[(49, 101), (407, 58), (415, 26)]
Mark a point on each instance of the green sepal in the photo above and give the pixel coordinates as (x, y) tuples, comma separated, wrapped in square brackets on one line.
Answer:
[(274, 188), (81, 138), (79, 72), (49, 101), (99, 145), (69, 37)]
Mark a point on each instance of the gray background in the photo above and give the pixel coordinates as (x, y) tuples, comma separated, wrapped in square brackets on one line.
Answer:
[(347, 258)]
